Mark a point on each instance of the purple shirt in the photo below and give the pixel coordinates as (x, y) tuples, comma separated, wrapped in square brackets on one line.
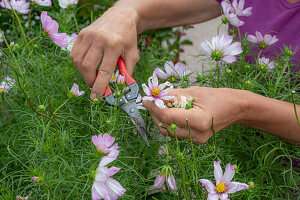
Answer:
[(275, 17)]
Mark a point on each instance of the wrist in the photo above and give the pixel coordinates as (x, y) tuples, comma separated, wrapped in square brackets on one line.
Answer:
[(244, 106), (133, 9)]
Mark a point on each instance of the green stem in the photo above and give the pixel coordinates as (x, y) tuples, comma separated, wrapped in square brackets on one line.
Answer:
[(211, 77), (295, 109), (61, 106), (258, 56), (240, 37), (236, 77)]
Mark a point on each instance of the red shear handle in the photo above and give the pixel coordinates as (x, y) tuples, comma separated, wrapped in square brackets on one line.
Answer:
[(107, 91), (124, 72)]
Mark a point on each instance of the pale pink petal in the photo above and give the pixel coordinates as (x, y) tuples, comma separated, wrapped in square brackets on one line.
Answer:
[(171, 182), (218, 172), (229, 59), (159, 103), (236, 186), (99, 190), (160, 73), (108, 140), (167, 97), (95, 140), (159, 181), (148, 98), (146, 89), (247, 12), (154, 81), (210, 187), (212, 197), (259, 36), (113, 170), (109, 158), (205, 45), (115, 187), (252, 38), (169, 67), (116, 146), (228, 174), (223, 196)]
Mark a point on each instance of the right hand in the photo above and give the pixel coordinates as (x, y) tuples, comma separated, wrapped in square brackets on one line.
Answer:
[(112, 35)]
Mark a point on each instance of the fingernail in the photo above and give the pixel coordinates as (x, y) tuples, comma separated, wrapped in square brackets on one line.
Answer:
[(93, 96)]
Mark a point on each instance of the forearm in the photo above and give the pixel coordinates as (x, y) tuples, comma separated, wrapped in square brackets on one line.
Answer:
[(167, 13), (272, 116)]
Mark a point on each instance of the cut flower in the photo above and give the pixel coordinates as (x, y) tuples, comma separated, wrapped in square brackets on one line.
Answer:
[(75, 91), (156, 92), (221, 48), (224, 186)]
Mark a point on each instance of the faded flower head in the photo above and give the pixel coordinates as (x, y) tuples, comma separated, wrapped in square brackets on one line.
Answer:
[(221, 48), (50, 26), (23, 198), (266, 64), (104, 186), (172, 72), (224, 186), (262, 41), (230, 16), (166, 174), (71, 41), (35, 179), (74, 92), (6, 84), (103, 143), (20, 6), (156, 92), (67, 3), (43, 2)]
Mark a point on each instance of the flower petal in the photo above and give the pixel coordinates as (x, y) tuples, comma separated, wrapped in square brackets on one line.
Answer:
[(212, 197), (210, 187), (146, 89), (159, 103), (218, 172), (223, 196), (236, 186), (109, 158), (228, 174), (171, 182), (159, 181), (160, 73)]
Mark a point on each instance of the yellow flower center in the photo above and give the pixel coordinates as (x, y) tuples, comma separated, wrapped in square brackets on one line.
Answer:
[(221, 187), (113, 77), (155, 92), (1, 89)]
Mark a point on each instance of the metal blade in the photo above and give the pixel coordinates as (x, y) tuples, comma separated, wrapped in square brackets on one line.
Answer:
[(136, 118)]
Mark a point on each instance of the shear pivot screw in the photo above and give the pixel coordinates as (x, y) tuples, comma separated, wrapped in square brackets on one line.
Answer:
[(128, 96), (132, 110)]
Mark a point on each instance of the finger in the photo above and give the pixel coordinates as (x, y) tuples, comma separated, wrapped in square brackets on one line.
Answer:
[(131, 58), (177, 116), (105, 72), (80, 51), (90, 63)]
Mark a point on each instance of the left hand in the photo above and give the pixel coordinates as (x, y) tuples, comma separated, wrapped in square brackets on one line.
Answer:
[(225, 105)]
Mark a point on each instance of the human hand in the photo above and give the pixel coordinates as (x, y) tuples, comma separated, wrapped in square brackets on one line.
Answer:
[(225, 106), (113, 35)]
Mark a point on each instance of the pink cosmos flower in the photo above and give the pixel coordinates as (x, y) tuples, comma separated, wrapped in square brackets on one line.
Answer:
[(156, 92), (238, 8), (230, 17), (50, 26), (75, 91), (266, 63), (20, 6), (6, 84), (104, 142), (172, 71), (221, 48), (166, 174), (43, 2), (35, 179), (224, 186), (114, 77), (104, 186), (262, 41), (120, 79), (71, 41), (67, 3)]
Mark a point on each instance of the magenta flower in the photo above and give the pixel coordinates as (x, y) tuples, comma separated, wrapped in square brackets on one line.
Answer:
[(103, 143), (229, 16), (156, 92), (166, 174), (266, 63), (67, 3), (50, 26), (262, 41), (75, 91), (6, 84), (224, 186), (71, 41), (104, 186), (43, 2), (172, 71), (20, 6), (35, 179), (221, 48)]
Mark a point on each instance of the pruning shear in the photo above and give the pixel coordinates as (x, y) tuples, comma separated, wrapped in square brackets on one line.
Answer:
[(128, 102)]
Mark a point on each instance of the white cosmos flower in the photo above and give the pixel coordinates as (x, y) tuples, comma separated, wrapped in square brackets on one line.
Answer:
[(67, 3)]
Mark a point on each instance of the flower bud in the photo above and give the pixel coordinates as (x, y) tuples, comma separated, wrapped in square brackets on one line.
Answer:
[(248, 67), (228, 71), (42, 107), (248, 83), (96, 101), (251, 184), (173, 127), (235, 167), (108, 121)]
